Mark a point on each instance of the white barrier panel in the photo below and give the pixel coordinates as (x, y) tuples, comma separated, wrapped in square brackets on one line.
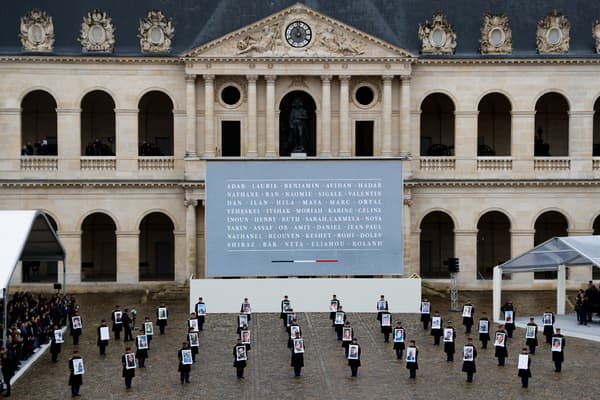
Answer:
[(306, 295)]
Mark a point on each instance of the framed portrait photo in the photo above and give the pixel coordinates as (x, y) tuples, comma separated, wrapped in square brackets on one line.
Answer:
[(509, 317), (353, 352), (436, 322), (484, 326), (381, 305), (425, 307), (201, 309), (162, 312), (547, 319), (523, 361), (104, 334), (285, 305), (386, 319), (118, 317), (298, 346), (467, 311), (242, 320), (142, 342), (339, 318), (193, 323), (468, 354), (240, 353), (448, 335), (556, 344), (411, 354), (530, 332), (347, 334), (186, 357), (290, 318), (58, 336), (130, 361), (398, 335), (293, 330), (246, 309), (76, 322), (245, 337), (148, 328), (500, 339), (78, 368), (333, 306), (194, 339)]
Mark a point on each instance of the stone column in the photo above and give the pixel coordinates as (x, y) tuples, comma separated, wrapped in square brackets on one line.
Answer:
[(344, 116), (68, 126), (251, 148), (465, 141), (325, 150), (71, 241), (581, 142), (465, 246), (128, 256), (209, 116), (386, 118), (522, 142), (405, 132), (190, 112), (521, 240), (190, 237), (180, 265), (270, 115), (126, 140)]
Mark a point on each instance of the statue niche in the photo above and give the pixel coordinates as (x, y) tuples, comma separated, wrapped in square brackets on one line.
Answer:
[(297, 124)]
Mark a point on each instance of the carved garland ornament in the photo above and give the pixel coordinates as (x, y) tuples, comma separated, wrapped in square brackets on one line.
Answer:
[(37, 31), (97, 32), (496, 35), (156, 32), (553, 34), (596, 34), (437, 37)]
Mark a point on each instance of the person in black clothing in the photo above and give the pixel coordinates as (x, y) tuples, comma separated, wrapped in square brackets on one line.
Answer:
[(354, 363), (347, 338), (297, 361), (558, 347), (339, 324), (126, 320), (128, 373), (399, 332), (184, 369), (76, 331), (509, 320), (425, 313), (117, 322), (501, 350), (102, 343), (532, 342), (141, 354), (437, 331), (290, 343), (55, 346), (285, 307), (382, 305), (468, 364), (467, 319), (412, 362), (238, 363), (484, 334), (525, 374), (386, 317), (548, 328), (75, 380), (200, 313), (245, 309), (336, 302), (9, 366), (449, 337), (580, 307), (161, 320)]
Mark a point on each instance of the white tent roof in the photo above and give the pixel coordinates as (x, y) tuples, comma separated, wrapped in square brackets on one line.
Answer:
[(26, 235), (568, 251)]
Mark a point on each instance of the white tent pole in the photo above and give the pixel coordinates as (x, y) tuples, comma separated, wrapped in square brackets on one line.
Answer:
[(497, 293), (4, 328), (561, 288)]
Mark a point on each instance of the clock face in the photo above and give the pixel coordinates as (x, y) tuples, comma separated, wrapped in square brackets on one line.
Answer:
[(298, 34)]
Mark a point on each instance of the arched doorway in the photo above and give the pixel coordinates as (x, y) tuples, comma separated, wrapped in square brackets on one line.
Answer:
[(41, 271), (493, 126), (437, 125), (547, 226), (297, 124), (436, 244), (596, 227), (98, 124), (551, 126), (38, 125), (157, 248), (155, 125), (98, 249), (493, 243), (596, 148)]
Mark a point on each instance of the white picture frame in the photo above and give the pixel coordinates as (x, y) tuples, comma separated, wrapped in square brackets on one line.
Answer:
[(240, 353), (530, 332), (436, 322), (333, 306), (186, 357), (500, 339), (425, 307), (285, 306), (411, 354), (509, 317), (118, 317), (246, 308), (245, 336), (142, 342), (290, 317), (467, 311), (346, 334), (484, 326), (339, 318), (293, 330), (386, 319), (381, 305), (130, 361), (523, 361), (556, 344), (194, 339), (448, 335), (298, 346), (399, 335), (468, 353), (200, 309), (242, 320), (76, 322), (104, 333), (162, 313), (58, 336), (193, 323), (78, 368), (353, 352), (547, 319), (148, 328)]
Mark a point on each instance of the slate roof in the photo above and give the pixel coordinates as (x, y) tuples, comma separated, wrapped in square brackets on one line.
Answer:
[(396, 21)]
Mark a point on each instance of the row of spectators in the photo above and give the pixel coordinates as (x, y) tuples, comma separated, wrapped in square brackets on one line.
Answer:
[(43, 148)]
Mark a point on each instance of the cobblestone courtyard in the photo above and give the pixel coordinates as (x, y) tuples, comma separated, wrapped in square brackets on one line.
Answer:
[(326, 374)]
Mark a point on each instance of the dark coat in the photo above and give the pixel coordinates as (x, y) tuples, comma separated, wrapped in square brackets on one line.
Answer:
[(236, 363), (127, 373), (99, 342), (355, 363), (469, 366), (160, 322), (413, 365), (559, 356), (74, 380), (532, 341), (499, 350), (116, 327), (468, 321), (525, 372), (438, 332), (182, 367), (297, 359), (485, 336), (449, 346)]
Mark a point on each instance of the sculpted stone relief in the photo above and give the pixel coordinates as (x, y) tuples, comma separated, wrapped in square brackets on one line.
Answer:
[(437, 37), (552, 34), (496, 35), (37, 31), (596, 34), (155, 32), (97, 32)]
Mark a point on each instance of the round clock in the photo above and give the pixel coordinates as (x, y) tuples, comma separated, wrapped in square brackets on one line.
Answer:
[(298, 34)]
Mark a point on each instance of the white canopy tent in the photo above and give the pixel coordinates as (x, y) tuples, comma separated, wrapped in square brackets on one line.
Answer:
[(555, 254), (25, 235)]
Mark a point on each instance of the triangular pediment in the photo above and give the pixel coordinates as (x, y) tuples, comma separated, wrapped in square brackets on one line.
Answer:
[(272, 37)]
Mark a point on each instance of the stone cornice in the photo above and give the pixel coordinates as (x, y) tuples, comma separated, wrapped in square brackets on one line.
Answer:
[(296, 60), (35, 59), (24, 184), (507, 61), (417, 183)]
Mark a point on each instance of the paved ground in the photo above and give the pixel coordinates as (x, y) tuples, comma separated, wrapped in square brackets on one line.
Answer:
[(326, 375)]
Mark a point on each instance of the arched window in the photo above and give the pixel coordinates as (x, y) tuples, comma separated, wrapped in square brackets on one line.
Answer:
[(155, 125), (596, 149), (493, 243), (157, 248), (436, 244), (297, 124), (493, 126), (38, 124), (98, 124), (98, 248), (551, 126), (437, 125), (547, 226)]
